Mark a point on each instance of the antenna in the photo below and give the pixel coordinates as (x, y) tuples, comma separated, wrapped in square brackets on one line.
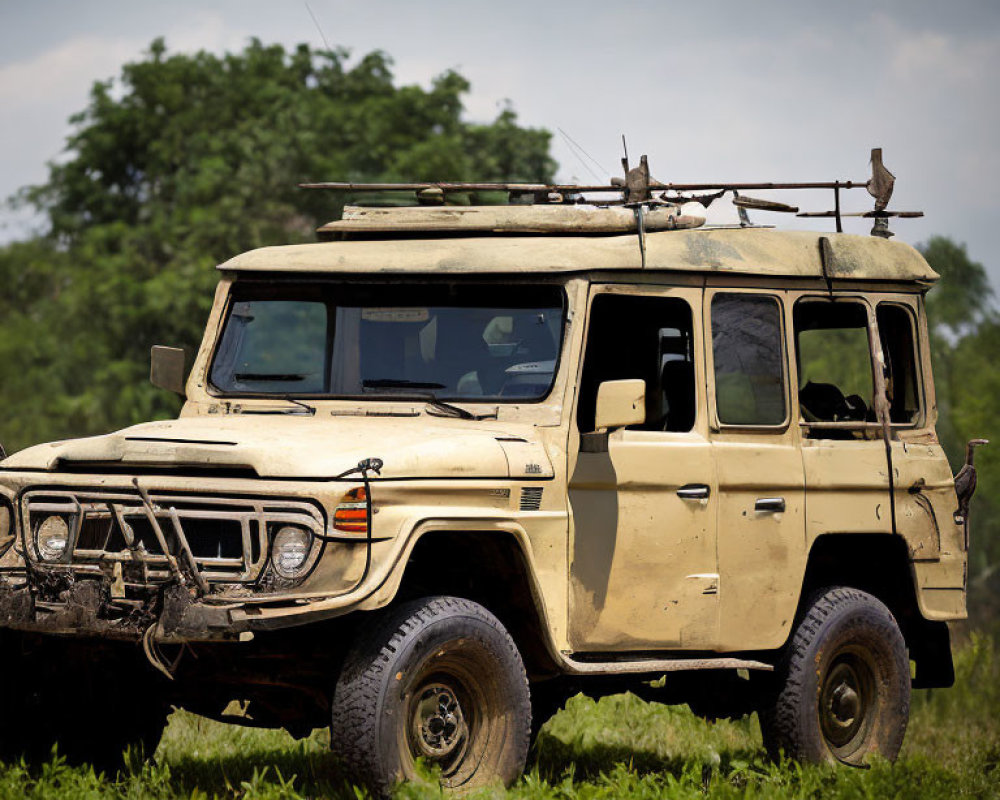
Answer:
[(577, 150), (316, 23)]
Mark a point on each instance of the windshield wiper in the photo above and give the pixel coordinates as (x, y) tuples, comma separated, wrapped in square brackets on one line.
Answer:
[(444, 409), (289, 399), (305, 407), (269, 376), (448, 410)]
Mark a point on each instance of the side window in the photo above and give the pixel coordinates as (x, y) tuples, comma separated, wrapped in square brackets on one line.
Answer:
[(641, 337), (748, 353), (895, 329), (834, 358)]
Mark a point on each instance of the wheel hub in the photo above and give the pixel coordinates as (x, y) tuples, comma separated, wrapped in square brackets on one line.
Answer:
[(846, 704), (439, 726)]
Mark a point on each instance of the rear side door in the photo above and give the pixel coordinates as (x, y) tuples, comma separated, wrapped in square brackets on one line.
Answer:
[(846, 468)]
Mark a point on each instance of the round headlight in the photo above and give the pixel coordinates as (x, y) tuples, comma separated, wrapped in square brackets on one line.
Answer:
[(290, 551), (51, 538)]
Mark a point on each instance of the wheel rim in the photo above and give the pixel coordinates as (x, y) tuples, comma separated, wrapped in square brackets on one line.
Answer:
[(453, 715), (848, 706), (439, 732)]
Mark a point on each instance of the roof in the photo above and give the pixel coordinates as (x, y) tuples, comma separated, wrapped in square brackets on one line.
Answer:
[(747, 251)]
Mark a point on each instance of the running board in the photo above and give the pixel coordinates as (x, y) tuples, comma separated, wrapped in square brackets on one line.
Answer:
[(574, 667)]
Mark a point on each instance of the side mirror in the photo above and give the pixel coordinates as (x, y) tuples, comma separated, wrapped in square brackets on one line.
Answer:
[(620, 403), (166, 368)]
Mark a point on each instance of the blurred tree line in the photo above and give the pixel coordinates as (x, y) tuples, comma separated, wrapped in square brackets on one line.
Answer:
[(187, 160)]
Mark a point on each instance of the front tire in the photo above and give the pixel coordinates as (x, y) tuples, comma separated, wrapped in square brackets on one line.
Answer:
[(437, 679), (844, 691)]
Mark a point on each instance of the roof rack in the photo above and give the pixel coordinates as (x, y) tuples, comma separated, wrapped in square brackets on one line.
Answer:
[(639, 191)]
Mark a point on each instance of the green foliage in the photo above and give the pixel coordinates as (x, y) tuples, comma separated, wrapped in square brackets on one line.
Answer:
[(963, 297), (839, 356), (181, 163)]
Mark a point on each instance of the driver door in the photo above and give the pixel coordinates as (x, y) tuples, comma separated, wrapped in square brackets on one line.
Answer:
[(644, 569)]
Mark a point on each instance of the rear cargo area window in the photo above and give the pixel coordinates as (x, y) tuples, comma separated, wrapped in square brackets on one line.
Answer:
[(834, 358), (749, 360), (641, 337), (896, 331)]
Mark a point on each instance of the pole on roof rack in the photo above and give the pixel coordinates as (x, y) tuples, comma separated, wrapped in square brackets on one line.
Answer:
[(637, 188)]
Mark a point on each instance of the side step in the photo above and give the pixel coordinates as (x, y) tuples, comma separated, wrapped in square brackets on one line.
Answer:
[(574, 667)]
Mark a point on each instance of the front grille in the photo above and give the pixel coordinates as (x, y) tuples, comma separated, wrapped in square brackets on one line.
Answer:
[(226, 536)]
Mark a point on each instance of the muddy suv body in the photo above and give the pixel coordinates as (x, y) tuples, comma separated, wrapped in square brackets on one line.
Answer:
[(467, 462)]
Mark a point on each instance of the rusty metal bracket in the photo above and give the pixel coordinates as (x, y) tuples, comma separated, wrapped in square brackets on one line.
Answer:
[(640, 226), (825, 259), (185, 546), (134, 546), (158, 532)]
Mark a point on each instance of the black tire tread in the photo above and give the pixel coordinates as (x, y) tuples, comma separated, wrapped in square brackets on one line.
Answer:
[(780, 722), (358, 694)]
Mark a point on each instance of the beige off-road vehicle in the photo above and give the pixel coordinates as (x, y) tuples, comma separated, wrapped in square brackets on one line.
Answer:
[(457, 463)]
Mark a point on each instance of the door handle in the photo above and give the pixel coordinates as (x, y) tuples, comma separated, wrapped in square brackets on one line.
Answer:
[(772, 504), (694, 491)]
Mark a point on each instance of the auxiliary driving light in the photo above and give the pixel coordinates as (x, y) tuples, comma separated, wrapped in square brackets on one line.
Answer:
[(290, 551), (52, 538)]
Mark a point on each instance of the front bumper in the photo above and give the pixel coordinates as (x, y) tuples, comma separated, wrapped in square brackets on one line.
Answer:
[(171, 614), (170, 565)]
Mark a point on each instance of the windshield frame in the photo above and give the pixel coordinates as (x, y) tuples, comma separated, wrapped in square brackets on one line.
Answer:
[(285, 282)]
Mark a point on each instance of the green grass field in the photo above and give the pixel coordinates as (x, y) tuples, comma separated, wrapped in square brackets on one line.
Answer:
[(619, 747)]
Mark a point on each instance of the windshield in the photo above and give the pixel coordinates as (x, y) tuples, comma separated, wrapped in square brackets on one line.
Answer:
[(449, 341)]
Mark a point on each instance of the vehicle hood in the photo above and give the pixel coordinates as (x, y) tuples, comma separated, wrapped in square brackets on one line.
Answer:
[(304, 447)]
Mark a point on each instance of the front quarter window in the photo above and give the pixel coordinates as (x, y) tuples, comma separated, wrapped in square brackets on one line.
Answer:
[(488, 343)]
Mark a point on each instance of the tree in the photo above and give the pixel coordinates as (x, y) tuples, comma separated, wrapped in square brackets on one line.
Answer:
[(181, 163), (963, 297)]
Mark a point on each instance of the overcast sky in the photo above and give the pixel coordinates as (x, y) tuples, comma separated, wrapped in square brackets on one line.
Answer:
[(723, 91)]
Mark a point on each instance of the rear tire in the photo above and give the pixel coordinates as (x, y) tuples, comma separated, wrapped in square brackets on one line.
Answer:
[(844, 683), (437, 679)]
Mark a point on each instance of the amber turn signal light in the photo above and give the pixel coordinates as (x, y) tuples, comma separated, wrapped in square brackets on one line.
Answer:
[(351, 514)]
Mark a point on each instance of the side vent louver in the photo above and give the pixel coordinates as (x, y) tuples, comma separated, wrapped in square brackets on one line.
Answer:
[(531, 498)]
